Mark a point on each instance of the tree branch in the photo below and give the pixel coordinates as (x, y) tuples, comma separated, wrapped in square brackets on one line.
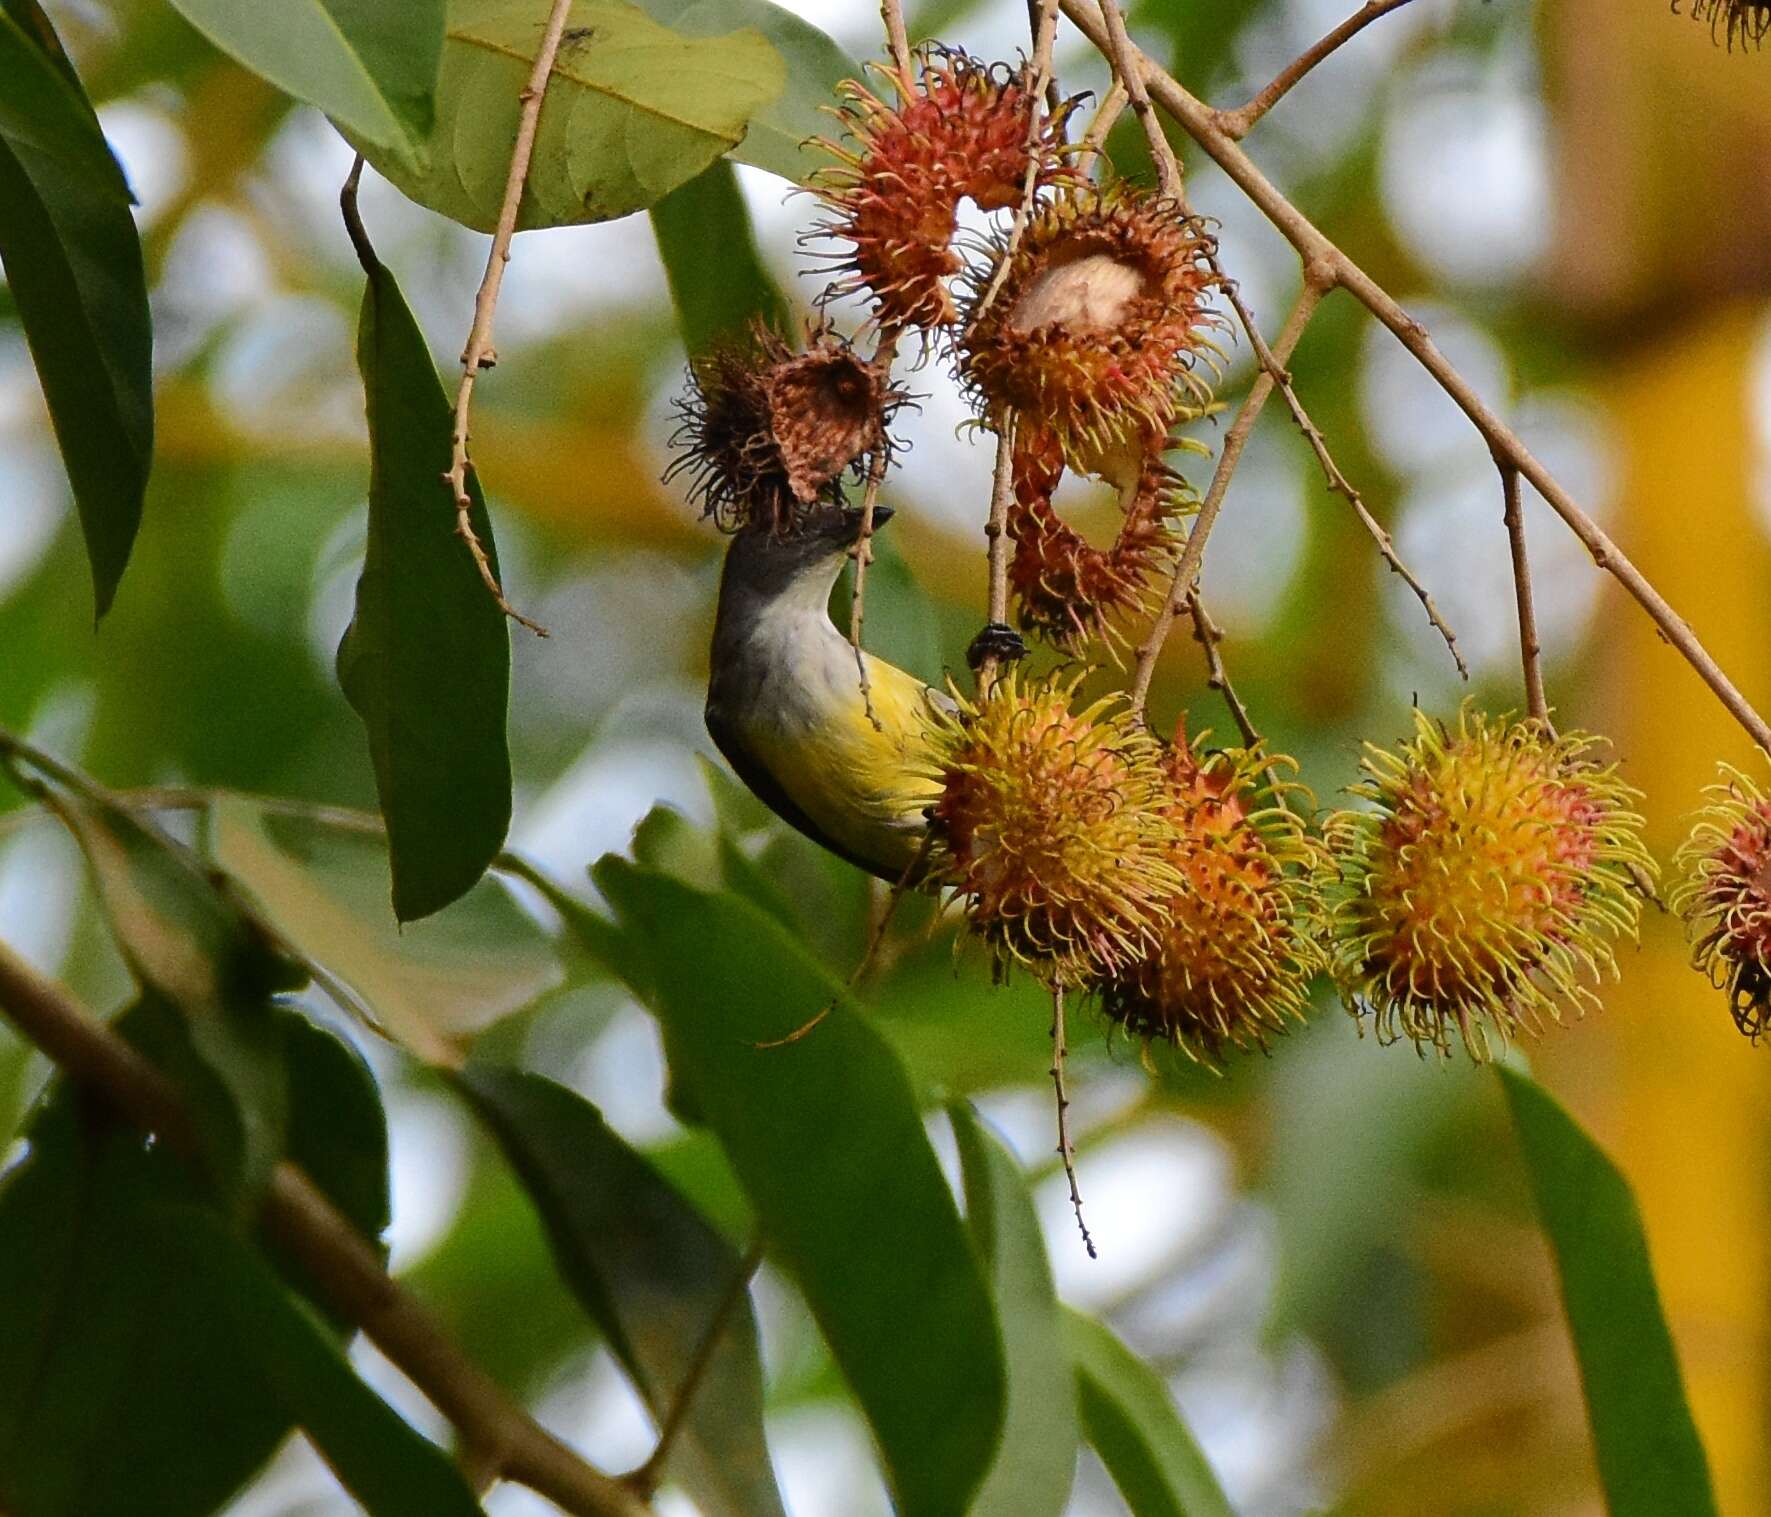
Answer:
[(1238, 123), (1530, 648), (478, 353), (301, 1217), (1319, 253)]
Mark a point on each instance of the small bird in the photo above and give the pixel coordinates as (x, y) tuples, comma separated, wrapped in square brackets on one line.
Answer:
[(785, 705)]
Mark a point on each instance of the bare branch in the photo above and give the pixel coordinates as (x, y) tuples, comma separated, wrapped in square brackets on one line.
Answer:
[(1113, 104), (891, 14), (1235, 440), (996, 536), (1208, 634), (1530, 648), (478, 353), (1319, 253), (1238, 123), (1066, 1149), (304, 1220), (1127, 72)]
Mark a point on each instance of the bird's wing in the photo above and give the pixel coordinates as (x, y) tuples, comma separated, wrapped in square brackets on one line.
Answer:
[(767, 789)]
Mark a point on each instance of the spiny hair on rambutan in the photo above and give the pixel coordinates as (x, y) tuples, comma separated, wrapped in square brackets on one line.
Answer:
[(1050, 826), (959, 131), (1097, 331), (1724, 894), (1747, 22), (1065, 589), (1232, 969), (1484, 889), (764, 431)]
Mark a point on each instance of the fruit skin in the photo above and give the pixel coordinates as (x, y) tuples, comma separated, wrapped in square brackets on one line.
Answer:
[(1745, 21), (1485, 889), (1724, 895), (1050, 825), (764, 432), (958, 132), (1096, 331), (1065, 589), (1233, 968)]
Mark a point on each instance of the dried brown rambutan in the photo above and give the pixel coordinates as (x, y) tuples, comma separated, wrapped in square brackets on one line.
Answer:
[(1097, 327), (958, 132), (1724, 893), (1747, 22), (1050, 826), (765, 431), (1486, 888), (1234, 964), (1066, 589)]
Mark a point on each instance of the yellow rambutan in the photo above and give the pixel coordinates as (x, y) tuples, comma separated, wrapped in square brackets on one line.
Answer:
[(1487, 884), (1747, 22), (958, 132), (1724, 894), (1233, 966), (1050, 826), (765, 431), (1066, 589), (1095, 331)]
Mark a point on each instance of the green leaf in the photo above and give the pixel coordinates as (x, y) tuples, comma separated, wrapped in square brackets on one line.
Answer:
[(825, 1136), (74, 270), (1130, 1420), (718, 298), (653, 1275), (376, 1455), (779, 133), (431, 984), (117, 1374), (1036, 1463), (426, 658), (43, 111), (1650, 1458), (632, 111), (370, 65)]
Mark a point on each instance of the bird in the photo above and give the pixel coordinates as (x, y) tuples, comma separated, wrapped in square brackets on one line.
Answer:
[(856, 773)]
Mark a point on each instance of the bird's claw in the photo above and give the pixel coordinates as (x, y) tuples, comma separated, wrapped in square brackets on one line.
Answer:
[(998, 640)]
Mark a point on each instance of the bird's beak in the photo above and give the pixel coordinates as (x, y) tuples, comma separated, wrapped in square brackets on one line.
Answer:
[(881, 515)]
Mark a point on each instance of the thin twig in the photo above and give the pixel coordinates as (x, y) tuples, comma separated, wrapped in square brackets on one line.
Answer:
[(1094, 140), (478, 353), (891, 15), (1530, 648), (1002, 488), (1124, 58), (1235, 441), (647, 1478), (1318, 253), (1208, 634), (335, 1255), (1066, 1150), (885, 353), (1238, 123)]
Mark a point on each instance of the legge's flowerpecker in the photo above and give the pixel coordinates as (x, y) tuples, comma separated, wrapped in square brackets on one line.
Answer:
[(785, 706)]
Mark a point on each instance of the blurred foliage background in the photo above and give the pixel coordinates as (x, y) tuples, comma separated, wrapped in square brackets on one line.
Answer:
[(1330, 1252)]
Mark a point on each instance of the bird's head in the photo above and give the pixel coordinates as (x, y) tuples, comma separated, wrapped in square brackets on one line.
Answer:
[(810, 556)]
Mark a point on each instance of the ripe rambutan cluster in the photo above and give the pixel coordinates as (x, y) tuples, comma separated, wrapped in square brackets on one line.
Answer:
[(1232, 968), (1066, 589), (1095, 332), (1051, 827), (1724, 894), (959, 131), (1485, 888), (765, 431)]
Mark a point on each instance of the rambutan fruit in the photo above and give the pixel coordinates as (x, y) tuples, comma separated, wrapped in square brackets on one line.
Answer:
[(1067, 590), (1050, 826), (1233, 966), (1724, 894), (1747, 22), (1486, 886), (764, 431), (1096, 329), (959, 132)]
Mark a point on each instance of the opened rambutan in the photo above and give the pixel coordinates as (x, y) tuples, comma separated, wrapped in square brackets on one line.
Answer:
[(1747, 22), (765, 431), (1066, 589), (1486, 886), (1724, 894), (1050, 825), (959, 132), (1233, 966), (1095, 331)]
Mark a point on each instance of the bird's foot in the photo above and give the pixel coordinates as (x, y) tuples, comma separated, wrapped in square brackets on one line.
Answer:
[(998, 640)]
